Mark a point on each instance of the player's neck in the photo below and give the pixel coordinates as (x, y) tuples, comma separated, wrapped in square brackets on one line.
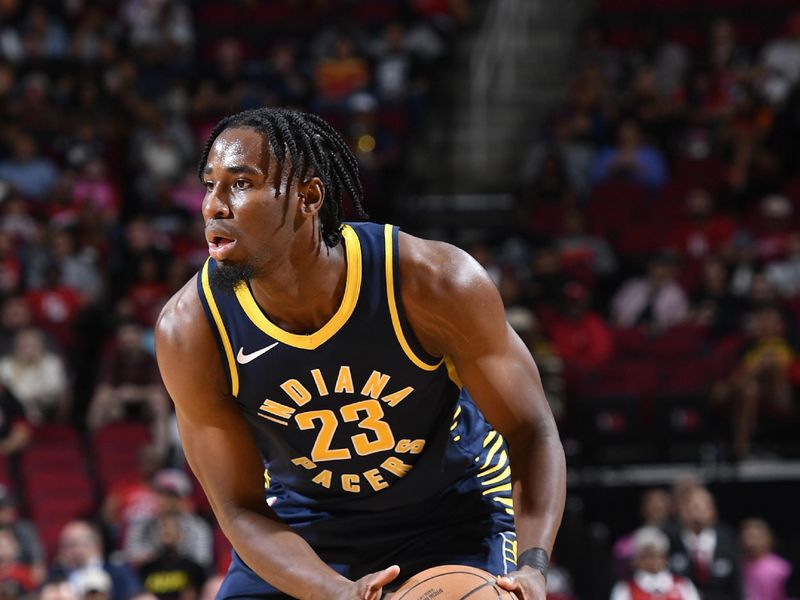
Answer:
[(302, 292)]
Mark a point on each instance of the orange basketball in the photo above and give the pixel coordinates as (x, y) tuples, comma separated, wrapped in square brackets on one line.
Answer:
[(451, 582)]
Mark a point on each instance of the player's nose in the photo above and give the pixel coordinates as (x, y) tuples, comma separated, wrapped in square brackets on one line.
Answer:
[(214, 205)]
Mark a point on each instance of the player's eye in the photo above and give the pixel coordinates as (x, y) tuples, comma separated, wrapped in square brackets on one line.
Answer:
[(209, 185), (241, 184)]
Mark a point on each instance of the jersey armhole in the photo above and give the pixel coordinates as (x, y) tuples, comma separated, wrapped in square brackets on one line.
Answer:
[(402, 330), (218, 327)]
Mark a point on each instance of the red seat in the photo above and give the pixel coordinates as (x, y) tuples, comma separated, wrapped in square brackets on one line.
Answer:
[(614, 206), (682, 341), (621, 378), (123, 434), (55, 435), (685, 377)]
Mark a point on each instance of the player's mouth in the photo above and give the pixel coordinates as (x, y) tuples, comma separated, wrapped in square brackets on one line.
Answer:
[(220, 247)]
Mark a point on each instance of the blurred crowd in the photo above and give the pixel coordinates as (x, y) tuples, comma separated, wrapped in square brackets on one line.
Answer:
[(104, 109), (654, 268)]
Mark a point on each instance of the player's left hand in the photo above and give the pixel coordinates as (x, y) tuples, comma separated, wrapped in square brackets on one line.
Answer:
[(526, 583)]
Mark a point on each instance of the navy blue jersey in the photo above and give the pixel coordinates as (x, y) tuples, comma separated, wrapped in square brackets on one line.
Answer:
[(355, 418)]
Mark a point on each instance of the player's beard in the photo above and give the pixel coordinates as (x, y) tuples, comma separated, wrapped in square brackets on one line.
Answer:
[(226, 276)]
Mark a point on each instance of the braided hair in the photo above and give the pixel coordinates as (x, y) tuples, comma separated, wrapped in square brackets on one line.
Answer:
[(312, 147)]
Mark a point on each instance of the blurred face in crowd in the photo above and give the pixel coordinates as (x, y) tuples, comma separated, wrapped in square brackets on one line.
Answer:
[(755, 538), (129, 337), (77, 545), (656, 507), (58, 591), (169, 532), (628, 136), (29, 346), (698, 511), (699, 204), (9, 547), (651, 560)]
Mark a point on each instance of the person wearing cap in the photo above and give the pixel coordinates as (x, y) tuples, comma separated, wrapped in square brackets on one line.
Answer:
[(80, 552), (93, 584), (652, 579), (174, 491)]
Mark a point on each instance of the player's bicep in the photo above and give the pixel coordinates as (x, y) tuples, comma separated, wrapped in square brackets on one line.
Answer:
[(215, 437), (505, 384)]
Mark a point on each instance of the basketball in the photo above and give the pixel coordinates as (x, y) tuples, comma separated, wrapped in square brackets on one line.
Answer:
[(451, 582)]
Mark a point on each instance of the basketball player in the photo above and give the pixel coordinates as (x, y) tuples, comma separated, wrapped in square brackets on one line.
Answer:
[(348, 367)]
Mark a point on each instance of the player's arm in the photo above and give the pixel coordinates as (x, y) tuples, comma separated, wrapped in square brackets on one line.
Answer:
[(221, 451), (456, 311)]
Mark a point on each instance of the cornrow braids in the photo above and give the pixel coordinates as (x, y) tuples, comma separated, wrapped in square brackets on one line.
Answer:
[(312, 147)]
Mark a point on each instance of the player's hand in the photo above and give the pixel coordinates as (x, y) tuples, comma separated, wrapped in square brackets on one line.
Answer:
[(369, 587), (526, 584)]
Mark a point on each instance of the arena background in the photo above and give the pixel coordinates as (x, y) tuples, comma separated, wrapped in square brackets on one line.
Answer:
[(626, 171)]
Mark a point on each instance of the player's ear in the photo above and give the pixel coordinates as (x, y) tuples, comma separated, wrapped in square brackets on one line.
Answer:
[(311, 194)]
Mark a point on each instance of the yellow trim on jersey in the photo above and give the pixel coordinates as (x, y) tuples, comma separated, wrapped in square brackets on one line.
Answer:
[(504, 475), (398, 329), (314, 340), (452, 373), (506, 487), (501, 462), (223, 334), (492, 451)]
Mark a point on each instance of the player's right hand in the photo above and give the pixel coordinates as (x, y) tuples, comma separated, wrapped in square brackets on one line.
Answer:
[(369, 587)]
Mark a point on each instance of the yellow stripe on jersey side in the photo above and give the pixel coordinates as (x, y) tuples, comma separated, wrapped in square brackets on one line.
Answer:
[(223, 334), (398, 329), (314, 340), (452, 373)]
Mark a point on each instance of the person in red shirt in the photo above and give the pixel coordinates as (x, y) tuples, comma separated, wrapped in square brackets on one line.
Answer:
[(702, 231), (55, 307), (580, 336)]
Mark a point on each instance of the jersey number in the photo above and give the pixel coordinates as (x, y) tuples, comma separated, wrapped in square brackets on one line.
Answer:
[(362, 444)]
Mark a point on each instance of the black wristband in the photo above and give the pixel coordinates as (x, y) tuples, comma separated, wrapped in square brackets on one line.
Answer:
[(535, 558)]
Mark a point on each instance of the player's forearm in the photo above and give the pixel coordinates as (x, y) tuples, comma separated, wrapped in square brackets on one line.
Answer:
[(539, 475), (280, 556)]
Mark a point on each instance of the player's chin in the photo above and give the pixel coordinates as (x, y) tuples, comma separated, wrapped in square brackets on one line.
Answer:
[(228, 273)]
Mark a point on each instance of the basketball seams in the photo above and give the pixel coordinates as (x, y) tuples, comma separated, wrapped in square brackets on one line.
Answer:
[(487, 581), (419, 583)]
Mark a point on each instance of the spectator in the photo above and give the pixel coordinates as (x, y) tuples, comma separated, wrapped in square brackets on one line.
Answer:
[(342, 74), (36, 377), (31, 553), (584, 253), (652, 579), (703, 549), (656, 509), (15, 429), (713, 303), (764, 572), (130, 501), (656, 302), (29, 173), (630, 159), (55, 307), (174, 491), (580, 336), (781, 60), (80, 556), (93, 583), (172, 575), (16, 578), (703, 231), (784, 275), (130, 386), (762, 383), (58, 590)]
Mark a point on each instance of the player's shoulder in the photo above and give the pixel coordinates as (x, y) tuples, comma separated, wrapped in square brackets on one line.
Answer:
[(438, 269), (182, 321)]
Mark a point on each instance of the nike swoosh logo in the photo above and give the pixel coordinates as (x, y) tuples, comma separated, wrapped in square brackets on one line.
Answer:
[(243, 358)]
